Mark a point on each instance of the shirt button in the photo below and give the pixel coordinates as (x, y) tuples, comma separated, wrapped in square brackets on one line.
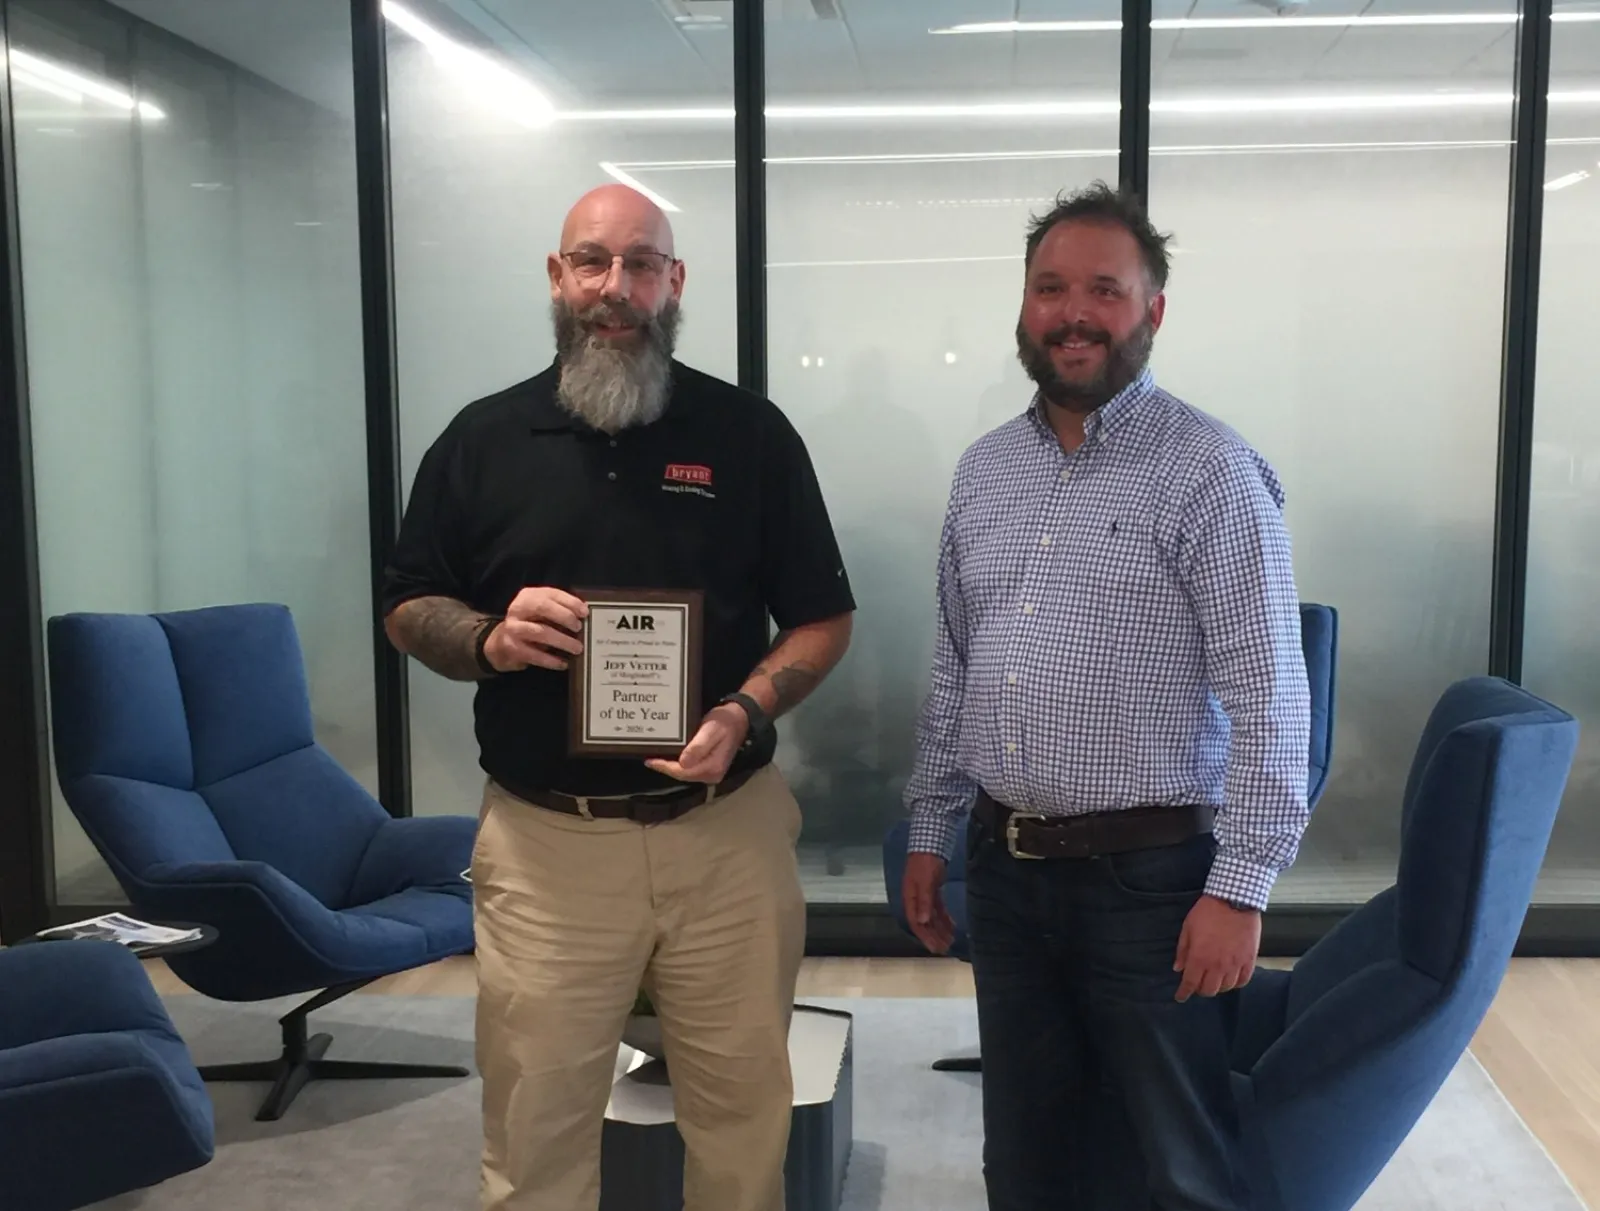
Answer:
[(1011, 679), (1064, 474), (613, 443), (1010, 747), (1028, 608), (611, 475), (1045, 541)]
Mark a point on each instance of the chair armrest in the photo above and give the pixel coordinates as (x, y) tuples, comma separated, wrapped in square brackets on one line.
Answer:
[(422, 851), (51, 990)]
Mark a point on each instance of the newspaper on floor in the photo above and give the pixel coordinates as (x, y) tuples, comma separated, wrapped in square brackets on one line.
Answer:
[(116, 927)]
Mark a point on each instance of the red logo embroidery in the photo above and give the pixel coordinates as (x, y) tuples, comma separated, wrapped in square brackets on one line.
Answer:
[(689, 473)]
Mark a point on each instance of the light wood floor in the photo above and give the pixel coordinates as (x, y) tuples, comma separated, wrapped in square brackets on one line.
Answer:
[(1540, 1041)]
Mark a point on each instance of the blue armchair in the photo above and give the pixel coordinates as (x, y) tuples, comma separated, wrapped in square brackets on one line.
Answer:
[(184, 747), (98, 1095), (1335, 1060), (1319, 641)]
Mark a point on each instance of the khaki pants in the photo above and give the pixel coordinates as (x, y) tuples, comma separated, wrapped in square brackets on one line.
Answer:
[(573, 917)]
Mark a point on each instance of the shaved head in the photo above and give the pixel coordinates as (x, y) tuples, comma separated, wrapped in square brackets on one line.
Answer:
[(619, 218), (615, 283)]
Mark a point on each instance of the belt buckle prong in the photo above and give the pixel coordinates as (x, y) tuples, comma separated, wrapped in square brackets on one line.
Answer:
[(1011, 834)]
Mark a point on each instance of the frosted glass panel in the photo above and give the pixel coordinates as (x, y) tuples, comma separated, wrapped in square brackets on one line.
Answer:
[(1338, 201), (906, 154), (194, 337), (480, 188), (1561, 658)]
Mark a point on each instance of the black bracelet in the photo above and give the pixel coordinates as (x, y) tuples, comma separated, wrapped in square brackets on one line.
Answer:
[(478, 654)]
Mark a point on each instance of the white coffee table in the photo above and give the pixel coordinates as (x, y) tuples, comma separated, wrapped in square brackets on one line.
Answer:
[(641, 1152)]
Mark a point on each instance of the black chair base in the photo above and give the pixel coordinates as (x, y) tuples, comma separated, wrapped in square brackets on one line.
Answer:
[(959, 1063), (302, 1062)]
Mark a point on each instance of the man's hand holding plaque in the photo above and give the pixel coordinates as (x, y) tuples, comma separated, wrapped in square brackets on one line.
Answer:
[(715, 744), (540, 630), (636, 684)]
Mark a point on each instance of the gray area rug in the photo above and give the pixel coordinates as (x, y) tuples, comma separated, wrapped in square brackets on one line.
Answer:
[(413, 1145)]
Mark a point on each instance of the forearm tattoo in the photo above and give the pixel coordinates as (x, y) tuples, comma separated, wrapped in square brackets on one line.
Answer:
[(442, 633), (791, 681)]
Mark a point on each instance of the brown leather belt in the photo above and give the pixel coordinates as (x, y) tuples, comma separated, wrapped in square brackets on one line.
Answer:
[(1032, 835), (643, 809)]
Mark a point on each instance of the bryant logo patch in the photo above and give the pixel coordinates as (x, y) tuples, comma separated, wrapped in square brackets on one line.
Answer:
[(689, 473), (692, 478)]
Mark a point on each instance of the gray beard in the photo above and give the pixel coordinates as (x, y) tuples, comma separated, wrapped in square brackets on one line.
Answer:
[(608, 387)]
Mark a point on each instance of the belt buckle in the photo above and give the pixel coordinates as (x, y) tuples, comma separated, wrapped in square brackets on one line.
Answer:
[(1011, 835)]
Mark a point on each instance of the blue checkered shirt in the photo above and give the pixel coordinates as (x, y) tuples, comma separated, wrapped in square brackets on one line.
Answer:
[(1119, 626)]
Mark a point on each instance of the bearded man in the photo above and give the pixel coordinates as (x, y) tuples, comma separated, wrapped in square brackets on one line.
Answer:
[(620, 468), (1119, 700)]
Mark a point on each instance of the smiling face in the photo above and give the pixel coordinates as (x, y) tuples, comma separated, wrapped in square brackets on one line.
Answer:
[(1089, 316), (614, 290)]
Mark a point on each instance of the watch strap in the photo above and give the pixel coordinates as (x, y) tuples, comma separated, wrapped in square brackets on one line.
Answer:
[(760, 721), (481, 642)]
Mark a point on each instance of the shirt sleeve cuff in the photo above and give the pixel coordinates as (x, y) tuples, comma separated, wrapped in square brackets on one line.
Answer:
[(1240, 881), (932, 832)]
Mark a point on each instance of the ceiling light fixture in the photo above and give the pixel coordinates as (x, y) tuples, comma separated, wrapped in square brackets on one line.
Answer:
[(1385, 21), (616, 174), (1177, 149), (40, 84), (57, 79), (1572, 178), (492, 83), (1266, 106)]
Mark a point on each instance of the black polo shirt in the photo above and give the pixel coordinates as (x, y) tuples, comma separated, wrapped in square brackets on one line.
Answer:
[(718, 495)]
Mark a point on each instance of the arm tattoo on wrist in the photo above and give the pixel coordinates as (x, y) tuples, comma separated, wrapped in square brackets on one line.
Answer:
[(442, 633)]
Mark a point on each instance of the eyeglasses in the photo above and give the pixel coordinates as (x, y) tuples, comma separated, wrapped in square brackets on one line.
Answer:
[(591, 264)]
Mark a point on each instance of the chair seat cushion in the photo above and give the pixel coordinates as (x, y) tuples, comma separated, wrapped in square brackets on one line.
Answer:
[(438, 916)]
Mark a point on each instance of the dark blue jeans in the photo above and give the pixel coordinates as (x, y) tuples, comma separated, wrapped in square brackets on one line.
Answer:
[(1100, 1091)]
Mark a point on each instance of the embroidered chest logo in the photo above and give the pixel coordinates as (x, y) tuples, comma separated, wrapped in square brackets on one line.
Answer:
[(692, 478)]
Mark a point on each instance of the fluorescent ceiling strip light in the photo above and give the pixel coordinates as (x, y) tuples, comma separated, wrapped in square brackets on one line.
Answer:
[(933, 260), (1387, 21), (616, 174), (1266, 106), (46, 86), (1177, 149), (479, 75), (44, 70), (1572, 178)]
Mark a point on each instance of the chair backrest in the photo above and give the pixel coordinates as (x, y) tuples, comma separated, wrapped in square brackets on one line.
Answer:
[(1378, 1013), (1319, 641), (187, 737)]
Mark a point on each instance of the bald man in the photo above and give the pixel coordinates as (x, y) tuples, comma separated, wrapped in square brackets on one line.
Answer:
[(618, 467)]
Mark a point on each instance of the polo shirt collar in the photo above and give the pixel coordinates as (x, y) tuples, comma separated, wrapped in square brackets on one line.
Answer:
[(1104, 419)]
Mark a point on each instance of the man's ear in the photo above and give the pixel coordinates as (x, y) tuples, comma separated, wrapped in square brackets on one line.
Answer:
[(1158, 309), (553, 266), (676, 278)]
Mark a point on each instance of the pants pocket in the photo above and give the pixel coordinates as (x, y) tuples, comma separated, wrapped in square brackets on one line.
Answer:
[(1165, 873)]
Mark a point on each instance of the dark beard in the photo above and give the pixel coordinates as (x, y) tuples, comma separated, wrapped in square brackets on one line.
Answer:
[(1125, 360), (614, 386)]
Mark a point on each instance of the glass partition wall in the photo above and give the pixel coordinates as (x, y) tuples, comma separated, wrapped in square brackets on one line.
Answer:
[(1341, 182)]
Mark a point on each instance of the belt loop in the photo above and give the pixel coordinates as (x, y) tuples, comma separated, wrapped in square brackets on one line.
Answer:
[(583, 807), (711, 791)]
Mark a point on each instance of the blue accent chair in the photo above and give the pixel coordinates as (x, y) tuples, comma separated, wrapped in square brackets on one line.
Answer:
[(184, 746), (1319, 641), (1335, 1060), (98, 1096)]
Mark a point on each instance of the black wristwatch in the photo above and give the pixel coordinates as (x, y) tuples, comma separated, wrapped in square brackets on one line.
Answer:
[(760, 721), (482, 641)]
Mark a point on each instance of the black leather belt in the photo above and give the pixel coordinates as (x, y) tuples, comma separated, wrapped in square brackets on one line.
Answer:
[(643, 809), (1032, 835)]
